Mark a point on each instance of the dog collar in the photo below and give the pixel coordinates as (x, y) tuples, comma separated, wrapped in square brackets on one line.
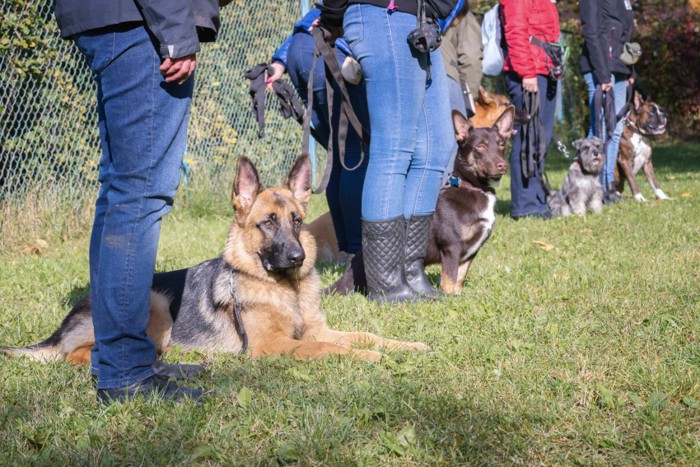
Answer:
[(632, 128), (459, 183)]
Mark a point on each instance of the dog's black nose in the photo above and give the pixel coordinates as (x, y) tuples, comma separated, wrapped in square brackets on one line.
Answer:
[(296, 256)]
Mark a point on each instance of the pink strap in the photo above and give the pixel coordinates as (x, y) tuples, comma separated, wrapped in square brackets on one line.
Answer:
[(392, 6)]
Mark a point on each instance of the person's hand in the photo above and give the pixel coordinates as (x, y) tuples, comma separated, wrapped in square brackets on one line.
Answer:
[(606, 87), (630, 81), (277, 74), (530, 84), (178, 70)]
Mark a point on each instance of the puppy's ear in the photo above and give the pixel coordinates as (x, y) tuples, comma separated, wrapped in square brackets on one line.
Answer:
[(299, 180), (461, 125), (484, 97), (578, 143), (638, 100), (246, 186), (504, 124)]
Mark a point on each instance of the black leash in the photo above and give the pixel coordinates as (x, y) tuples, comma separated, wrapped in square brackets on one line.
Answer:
[(534, 145), (286, 95), (238, 322), (347, 115)]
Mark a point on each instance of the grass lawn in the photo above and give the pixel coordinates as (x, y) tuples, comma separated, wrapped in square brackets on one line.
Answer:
[(575, 341)]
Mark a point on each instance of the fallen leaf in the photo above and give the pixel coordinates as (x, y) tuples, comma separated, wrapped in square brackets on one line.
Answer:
[(41, 243), (545, 246), (32, 250), (686, 195)]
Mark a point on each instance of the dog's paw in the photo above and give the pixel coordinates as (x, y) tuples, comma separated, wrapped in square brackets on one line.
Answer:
[(366, 355), (418, 347), (661, 195), (639, 197)]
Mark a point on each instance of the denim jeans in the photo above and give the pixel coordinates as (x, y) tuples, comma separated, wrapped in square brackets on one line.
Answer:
[(620, 96), (410, 121), (528, 197), (143, 125), (344, 190)]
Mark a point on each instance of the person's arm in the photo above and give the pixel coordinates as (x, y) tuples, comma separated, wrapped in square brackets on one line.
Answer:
[(591, 22), (470, 52), (517, 36)]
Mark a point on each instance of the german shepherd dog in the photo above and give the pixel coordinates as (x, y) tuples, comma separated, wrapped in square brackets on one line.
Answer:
[(265, 278)]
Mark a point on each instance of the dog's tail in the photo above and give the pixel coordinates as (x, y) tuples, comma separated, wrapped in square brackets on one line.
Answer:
[(72, 341)]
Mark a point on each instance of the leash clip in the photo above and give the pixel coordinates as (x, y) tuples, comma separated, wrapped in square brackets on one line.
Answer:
[(453, 181), (562, 149)]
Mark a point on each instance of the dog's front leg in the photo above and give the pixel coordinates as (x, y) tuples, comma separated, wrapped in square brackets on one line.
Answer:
[(595, 203), (307, 350), (349, 339), (449, 271), (629, 175), (649, 172)]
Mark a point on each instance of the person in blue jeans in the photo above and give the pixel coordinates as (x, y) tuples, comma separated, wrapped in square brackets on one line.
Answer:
[(344, 190), (143, 55), (412, 141), (606, 26)]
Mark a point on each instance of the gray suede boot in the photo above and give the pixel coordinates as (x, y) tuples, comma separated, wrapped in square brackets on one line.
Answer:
[(417, 231), (383, 248)]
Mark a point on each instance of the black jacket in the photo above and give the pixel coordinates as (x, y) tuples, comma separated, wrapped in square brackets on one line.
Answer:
[(607, 25), (178, 25), (332, 11)]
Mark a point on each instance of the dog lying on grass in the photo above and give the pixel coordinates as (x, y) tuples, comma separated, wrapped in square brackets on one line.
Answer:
[(262, 293)]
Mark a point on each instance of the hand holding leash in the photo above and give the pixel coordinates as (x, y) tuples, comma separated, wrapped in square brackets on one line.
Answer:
[(277, 71), (530, 84)]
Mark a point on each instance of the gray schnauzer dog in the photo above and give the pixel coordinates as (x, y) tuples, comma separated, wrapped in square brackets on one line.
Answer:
[(582, 188)]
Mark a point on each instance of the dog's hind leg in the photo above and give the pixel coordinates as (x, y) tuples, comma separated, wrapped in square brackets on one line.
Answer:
[(349, 339), (462, 274)]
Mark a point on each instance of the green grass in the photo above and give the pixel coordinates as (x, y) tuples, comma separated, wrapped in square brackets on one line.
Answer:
[(575, 341)]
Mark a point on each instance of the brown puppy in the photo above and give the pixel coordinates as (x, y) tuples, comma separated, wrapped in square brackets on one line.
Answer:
[(489, 107), (464, 216), (263, 290), (644, 120)]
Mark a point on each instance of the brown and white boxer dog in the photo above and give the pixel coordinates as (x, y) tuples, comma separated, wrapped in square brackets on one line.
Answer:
[(644, 121)]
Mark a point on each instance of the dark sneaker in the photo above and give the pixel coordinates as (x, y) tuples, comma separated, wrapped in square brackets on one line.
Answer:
[(546, 215), (157, 386), (176, 370)]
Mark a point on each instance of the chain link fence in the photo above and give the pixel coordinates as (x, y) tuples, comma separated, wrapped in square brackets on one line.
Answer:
[(49, 142)]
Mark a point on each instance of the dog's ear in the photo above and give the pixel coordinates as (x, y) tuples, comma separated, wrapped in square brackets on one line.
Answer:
[(578, 143), (638, 100), (246, 186), (484, 97), (299, 180), (504, 124), (461, 125)]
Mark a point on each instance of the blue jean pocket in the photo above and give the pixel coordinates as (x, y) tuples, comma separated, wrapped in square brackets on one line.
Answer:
[(353, 26)]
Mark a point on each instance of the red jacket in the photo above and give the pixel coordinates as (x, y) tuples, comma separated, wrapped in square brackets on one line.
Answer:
[(522, 19)]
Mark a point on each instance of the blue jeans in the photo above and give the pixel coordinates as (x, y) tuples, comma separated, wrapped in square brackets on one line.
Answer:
[(620, 96), (528, 197), (344, 190), (143, 125), (410, 121)]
